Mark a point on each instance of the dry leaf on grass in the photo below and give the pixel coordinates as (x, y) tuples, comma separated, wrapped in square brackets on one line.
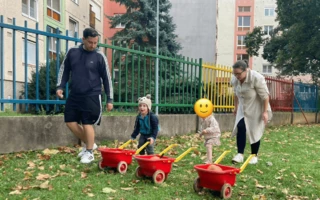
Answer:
[(50, 151), (42, 177), (15, 192), (108, 190)]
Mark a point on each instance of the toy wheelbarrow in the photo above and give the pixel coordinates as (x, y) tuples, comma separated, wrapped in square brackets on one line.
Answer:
[(157, 166), (218, 177), (118, 158)]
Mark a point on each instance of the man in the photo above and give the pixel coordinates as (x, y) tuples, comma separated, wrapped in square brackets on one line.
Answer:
[(88, 67)]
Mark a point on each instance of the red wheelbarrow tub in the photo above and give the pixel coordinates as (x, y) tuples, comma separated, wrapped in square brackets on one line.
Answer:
[(111, 157), (215, 179), (149, 164)]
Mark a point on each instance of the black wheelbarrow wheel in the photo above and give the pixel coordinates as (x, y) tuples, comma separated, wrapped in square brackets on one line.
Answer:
[(196, 185), (138, 173)]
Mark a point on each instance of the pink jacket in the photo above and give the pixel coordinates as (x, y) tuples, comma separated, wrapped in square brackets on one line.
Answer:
[(211, 126)]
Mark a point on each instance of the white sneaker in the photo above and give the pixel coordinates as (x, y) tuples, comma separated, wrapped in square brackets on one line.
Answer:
[(87, 157), (85, 148), (238, 158), (254, 160)]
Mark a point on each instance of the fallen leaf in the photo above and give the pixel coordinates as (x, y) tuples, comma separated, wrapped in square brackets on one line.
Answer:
[(260, 186), (42, 177), (43, 157), (90, 195), (15, 192), (285, 191), (127, 189), (108, 190), (259, 171), (84, 175), (50, 152), (293, 175), (44, 185), (31, 165)]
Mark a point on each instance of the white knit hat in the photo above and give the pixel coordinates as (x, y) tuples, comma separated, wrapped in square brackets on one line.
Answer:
[(146, 100)]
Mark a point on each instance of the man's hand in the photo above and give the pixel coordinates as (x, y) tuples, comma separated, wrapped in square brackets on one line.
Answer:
[(151, 140), (109, 106), (204, 132), (59, 93)]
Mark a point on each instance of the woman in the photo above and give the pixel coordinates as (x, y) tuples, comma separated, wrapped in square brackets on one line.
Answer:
[(252, 109)]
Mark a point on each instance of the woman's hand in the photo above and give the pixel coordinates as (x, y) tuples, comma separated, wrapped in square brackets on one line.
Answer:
[(265, 117)]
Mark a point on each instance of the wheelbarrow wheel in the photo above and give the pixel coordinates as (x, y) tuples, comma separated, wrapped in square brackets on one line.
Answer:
[(100, 165), (122, 167), (226, 191), (196, 185), (158, 177), (138, 173)]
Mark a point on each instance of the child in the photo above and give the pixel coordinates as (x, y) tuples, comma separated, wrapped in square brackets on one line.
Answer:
[(209, 128), (146, 124)]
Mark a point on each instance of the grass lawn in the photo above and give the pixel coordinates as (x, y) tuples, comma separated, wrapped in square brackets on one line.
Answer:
[(288, 168)]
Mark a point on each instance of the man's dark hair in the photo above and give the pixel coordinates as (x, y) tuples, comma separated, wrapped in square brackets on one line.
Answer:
[(90, 32)]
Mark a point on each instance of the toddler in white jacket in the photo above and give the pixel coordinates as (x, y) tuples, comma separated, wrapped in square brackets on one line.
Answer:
[(209, 128)]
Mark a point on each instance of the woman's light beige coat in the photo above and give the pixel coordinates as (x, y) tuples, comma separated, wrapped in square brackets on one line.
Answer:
[(251, 95)]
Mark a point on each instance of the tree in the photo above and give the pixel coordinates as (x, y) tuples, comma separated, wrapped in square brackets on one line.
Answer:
[(140, 31), (294, 48), (141, 25), (53, 109), (294, 45), (254, 40)]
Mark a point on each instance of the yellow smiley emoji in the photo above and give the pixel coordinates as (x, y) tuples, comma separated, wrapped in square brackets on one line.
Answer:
[(203, 107)]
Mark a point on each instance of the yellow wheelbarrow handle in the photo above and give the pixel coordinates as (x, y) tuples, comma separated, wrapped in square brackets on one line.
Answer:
[(167, 149), (184, 153), (246, 163), (125, 144), (221, 157), (142, 147)]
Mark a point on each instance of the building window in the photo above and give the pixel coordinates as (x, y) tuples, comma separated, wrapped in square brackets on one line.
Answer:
[(75, 1), (73, 27), (30, 8), (244, 8), (96, 9), (31, 55), (267, 69), (243, 57), (120, 25), (241, 44), (53, 44), (269, 12), (53, 9), (243, 23), (268, 30)]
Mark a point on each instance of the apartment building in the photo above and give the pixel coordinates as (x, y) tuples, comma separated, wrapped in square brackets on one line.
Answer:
[(55, 16), (237, 17), (196, 26)]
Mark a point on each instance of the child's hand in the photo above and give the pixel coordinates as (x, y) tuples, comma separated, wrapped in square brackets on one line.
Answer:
[(151, 140)]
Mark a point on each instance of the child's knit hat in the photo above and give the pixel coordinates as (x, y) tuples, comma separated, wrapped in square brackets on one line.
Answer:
[(146, 100)]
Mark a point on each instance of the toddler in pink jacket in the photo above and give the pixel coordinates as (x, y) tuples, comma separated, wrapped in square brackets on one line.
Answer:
[(209, 128)]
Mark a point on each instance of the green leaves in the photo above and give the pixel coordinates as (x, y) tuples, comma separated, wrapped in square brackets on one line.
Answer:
[(253, 41), (294, 49)]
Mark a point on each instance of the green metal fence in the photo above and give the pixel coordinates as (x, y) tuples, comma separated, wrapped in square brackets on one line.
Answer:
[(134, 75), (133, 72)]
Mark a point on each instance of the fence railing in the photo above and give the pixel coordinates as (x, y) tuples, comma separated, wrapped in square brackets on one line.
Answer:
[(217, 88), (28, 76), (133, 72), (306, 97)]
